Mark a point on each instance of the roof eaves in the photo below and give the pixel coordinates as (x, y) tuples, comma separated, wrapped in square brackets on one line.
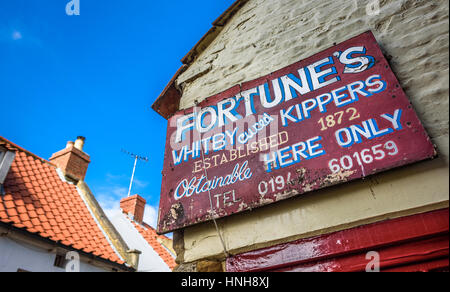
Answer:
[(168, 101)]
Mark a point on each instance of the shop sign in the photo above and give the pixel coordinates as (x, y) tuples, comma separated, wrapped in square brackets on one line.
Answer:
[(334, 117)]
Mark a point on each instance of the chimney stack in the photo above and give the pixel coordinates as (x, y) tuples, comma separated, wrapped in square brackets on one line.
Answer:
[(134, 205), (72, 160)]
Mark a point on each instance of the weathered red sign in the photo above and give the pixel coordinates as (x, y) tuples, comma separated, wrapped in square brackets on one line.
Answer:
[(337, 116)]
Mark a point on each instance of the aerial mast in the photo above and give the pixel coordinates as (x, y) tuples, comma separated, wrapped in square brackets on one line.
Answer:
[(136, 158)]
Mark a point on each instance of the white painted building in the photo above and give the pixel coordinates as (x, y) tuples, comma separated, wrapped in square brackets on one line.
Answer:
[(156, 254), (17, 255), (49, 220)]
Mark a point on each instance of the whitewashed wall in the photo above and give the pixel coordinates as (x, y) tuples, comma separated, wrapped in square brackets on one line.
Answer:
[(149, 260), (16, 255)]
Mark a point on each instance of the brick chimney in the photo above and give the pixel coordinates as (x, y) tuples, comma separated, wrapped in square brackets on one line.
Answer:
[(72, 160), (134, 205)]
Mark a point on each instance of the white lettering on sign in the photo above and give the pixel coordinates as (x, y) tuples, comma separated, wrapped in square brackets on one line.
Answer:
[(273, 185), (369, 130), (285, 88), (226, 199), (197, 186), (366, 156), (310, 78), (294, 154)]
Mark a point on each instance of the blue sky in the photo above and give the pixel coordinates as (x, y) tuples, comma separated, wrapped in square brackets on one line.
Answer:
[(96, 75)]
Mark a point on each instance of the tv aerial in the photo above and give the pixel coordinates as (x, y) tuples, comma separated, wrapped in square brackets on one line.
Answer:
[(136, 158)]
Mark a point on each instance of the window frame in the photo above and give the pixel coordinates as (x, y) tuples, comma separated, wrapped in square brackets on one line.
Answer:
[(2, 153), (60, 261), (6, 159)]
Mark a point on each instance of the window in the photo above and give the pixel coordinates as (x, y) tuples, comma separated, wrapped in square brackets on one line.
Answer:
[(60, 261), (2, 153), (6, 159)]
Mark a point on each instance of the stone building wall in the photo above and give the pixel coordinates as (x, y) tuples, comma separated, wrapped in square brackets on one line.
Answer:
[(267, 35)]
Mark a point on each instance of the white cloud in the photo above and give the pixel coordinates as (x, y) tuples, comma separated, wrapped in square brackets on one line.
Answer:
[(111, 193), (111, 207), (109, 197), (111, 212), (16, 35), (151, 215), (122, 179), (120, 192), (113, 177), (139, 183)]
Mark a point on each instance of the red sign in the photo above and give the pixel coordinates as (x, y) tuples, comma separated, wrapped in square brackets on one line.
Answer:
[(337, 116)]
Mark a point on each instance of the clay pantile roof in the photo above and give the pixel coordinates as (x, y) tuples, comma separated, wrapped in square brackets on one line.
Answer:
[(37, 200), (149, 234)]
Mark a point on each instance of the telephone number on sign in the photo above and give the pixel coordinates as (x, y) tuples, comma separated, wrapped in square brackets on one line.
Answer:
[(366, 156)]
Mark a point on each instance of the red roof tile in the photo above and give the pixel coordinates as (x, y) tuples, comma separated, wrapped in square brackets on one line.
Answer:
[(39, 201)]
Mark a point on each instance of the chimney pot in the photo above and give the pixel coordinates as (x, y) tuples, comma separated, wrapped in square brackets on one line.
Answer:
[(79, 143), (70, 144)]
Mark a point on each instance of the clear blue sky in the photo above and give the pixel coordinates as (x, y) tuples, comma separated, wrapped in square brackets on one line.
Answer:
[(96, 75)]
